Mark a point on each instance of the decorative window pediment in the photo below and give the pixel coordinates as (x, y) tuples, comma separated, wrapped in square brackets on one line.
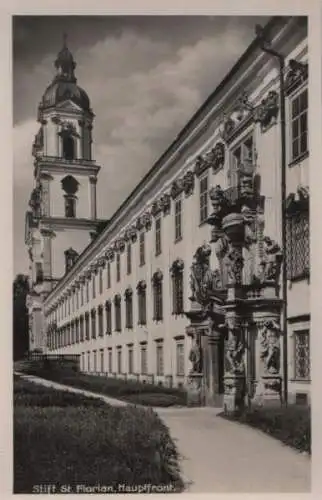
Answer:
[(296, 74)]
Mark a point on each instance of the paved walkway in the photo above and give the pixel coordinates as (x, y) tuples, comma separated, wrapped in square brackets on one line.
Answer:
[(225, 457)]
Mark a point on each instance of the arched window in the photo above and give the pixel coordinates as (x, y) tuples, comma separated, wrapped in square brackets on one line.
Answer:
[(68, 148)]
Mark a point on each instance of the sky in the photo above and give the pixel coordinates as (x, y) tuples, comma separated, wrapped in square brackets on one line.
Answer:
[(145, 77)]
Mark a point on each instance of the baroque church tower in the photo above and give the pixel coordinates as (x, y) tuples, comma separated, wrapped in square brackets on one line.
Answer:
[(62, 218)]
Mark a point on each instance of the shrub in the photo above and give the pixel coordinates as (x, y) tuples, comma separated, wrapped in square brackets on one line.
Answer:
[(291, 425), (155, 399), (108, 386), (109, 446)]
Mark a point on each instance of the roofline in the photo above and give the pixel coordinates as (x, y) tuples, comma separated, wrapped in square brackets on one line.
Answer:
[(274, 21)]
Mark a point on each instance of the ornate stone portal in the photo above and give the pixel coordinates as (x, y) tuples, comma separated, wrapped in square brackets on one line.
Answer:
[(240, 302)]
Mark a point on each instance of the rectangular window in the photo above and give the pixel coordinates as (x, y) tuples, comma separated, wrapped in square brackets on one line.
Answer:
[(160, 360), (87, 326), (178, 220), (108, 275), (77, 330), (129, 259), (102, 360), (110, 361), (302, 354), (177, 292), (95, 361), (203, 198), (88, 361), (298, 245), (100, 281), (81, 328), (158, 248), (128, 311), (144, 360), (93, 323), (142, 306), (82, 295), (118, 267), (94, 286), (77, 299), (158, 302), (100, 321), (87, 291), (142, 248), (180, 358), (299, 124), (108, 314), (119, 360), (130, 359), (118, 319)]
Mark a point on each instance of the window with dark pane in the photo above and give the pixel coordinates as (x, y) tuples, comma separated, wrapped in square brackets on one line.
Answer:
[(142, 248), (298, 245), (129, 259), (178, 219), (302, 354), (299, 124), (118, 267), (158, 246), (203, 198)]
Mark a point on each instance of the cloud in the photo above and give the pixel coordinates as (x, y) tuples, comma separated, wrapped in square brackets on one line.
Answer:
[(143, 91)]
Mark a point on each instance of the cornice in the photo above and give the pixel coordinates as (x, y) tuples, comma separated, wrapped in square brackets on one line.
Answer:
[(55, 223), (55, 165)]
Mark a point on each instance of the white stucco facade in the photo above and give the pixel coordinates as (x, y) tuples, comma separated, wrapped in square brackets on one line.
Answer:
[(159, 350)]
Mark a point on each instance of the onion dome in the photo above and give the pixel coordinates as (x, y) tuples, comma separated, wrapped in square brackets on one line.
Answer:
[(64, 85)]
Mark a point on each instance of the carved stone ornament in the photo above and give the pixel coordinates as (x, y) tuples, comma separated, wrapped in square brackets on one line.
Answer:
[(120, 245), (296, 74), (110, 254), (235, 350), (188, 183), (156, 208), (218, 156), (157, 277), (270, 347), (195, 355), (141, 286), (266, 113), (242, 110), (128, 293), (235, 264), (272, 260), (177, 188), (203, 281), (177, 267), (144, 221), (165, 204), (131, 234), (220, 205)]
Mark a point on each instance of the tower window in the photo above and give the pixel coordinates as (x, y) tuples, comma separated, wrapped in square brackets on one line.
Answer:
[(68, 148), (70, 206)]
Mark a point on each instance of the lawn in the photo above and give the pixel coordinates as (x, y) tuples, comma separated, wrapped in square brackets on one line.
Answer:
[(131, 391), (291, 425), (67, 439)]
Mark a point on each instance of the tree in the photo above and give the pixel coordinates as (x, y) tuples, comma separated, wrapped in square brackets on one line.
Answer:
[(20, 316)]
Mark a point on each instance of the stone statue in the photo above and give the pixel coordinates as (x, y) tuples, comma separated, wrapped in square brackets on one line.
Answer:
[(271, 263), (270, 347), (203, 280), (195, 356), (235, 352)]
